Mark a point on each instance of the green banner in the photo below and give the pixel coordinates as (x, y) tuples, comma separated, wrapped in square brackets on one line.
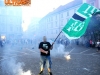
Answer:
[(77, 25), (75, 29)]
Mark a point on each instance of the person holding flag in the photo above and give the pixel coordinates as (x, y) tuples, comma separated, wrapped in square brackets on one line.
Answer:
[(45, 58)]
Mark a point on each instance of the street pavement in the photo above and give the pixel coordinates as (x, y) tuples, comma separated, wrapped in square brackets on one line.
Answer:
[(82, 60)]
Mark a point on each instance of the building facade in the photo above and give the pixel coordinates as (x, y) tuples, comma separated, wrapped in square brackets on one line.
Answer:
[(10, 21), (51, 24), (32, 31), (94, 2)]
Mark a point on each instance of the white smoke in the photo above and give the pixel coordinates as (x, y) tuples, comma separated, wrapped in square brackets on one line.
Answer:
[(10, 65), (58, 49), (61, 49)]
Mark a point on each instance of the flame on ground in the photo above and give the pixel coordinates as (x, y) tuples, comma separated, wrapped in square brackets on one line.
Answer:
[(26, 73), (68, 57)]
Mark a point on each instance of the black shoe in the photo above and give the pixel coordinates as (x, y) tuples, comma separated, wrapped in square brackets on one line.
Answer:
[(40, 73), (50, 73)]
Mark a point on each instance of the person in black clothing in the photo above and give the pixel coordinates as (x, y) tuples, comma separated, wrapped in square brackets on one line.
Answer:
[(45, 58), (98, 45)]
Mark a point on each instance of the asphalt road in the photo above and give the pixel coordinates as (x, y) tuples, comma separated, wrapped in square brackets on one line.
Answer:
[(83, 61)]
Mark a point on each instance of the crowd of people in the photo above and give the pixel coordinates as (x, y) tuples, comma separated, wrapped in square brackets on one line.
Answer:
[(17, 42), (20, 41), (65, 42)]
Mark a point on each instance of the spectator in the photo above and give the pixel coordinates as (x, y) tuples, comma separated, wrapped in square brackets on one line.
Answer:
[(90, 43), (98, 45)]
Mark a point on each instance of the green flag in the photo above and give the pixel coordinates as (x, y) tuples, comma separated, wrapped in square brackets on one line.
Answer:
[(77, 25), (75, 28)]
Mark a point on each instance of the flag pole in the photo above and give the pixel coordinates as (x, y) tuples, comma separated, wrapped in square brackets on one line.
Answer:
[(57, 37)]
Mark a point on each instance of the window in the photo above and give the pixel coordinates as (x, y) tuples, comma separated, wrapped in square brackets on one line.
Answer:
[(56, 17), (51, 31), (48, 19), (48, 25), (51, 24), (51, 18), (67, 13), (61, 15), (56, 31), (74, 10), (61, 22), (56, 23)]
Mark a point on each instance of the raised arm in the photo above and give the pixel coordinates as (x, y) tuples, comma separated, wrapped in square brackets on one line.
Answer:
[(51, 46)]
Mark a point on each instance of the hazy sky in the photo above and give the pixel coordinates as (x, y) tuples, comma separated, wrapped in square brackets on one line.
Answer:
[(39, 8)]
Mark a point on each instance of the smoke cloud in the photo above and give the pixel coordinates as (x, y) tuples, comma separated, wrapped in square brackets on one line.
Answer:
[(10, 64)]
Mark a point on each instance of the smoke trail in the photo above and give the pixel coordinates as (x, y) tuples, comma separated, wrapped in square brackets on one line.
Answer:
[(58, 49), (10, 65), (62, 50)]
